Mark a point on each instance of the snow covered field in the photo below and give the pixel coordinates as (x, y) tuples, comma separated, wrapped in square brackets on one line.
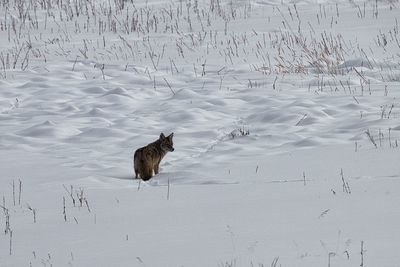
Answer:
[(286, 121)]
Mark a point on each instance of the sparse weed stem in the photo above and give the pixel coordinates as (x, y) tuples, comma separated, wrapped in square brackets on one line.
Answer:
[(33, 212), (345, 184), (383, 137)]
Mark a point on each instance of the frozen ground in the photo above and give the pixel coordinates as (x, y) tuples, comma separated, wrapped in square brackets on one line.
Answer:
[(286, 120)]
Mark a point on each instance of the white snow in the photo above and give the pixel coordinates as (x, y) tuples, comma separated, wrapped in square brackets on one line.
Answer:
[(271, 103)]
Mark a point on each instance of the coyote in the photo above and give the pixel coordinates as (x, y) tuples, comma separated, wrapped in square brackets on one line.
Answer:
[(148, 158)]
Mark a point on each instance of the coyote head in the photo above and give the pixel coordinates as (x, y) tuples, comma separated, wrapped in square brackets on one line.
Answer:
[(166, 142)]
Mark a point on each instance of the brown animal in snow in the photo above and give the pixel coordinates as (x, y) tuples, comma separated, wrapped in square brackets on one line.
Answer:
[(147, 159)]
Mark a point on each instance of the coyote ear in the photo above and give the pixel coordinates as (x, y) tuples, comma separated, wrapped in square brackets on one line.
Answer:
[(162, 136), (171, 135)]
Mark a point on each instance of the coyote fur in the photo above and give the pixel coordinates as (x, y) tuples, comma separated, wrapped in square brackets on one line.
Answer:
[(147, 159)]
